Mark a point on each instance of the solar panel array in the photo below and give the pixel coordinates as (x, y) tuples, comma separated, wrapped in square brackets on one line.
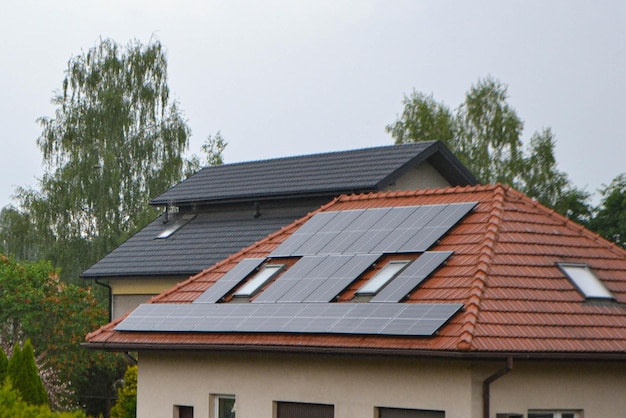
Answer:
[(373, 231), (228, 281), (308, 318), (411, 276), (316, 278)]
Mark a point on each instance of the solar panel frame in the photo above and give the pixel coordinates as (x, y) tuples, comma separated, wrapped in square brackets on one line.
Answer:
[(412, 276), (230, 280)]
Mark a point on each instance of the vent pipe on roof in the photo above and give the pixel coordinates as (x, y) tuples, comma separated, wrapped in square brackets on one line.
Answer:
[(257, 210), (488, 381)]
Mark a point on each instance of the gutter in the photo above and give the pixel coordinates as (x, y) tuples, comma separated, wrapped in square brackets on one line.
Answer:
[(488, 381), (110, 292)]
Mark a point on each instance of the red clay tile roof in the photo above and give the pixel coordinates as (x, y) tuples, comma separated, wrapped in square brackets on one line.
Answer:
[(503, 270)]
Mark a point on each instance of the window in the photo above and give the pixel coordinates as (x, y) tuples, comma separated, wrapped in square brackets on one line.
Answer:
[(408, 413), (224, 406), (183, 411), (304, 410), (383, 277), (587, 282), (170, 228), (257, 282), (553, 414)]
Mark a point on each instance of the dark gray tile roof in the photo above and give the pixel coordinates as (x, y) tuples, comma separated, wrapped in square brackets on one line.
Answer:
[(359, 170), (202, 242)]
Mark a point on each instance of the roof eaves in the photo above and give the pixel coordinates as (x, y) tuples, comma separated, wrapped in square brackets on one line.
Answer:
[(472, 307)]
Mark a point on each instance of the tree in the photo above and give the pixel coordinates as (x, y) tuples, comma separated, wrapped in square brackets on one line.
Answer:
[(35, 304), (610, 216), (126, 405), (485, 133), (24, 375), (116, 140)]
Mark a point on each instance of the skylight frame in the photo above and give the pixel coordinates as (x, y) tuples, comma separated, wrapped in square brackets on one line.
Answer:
[(251, 288), (587, 283), (385, 275), (175, 226)]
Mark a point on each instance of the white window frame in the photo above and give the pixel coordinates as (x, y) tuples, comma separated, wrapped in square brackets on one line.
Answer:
[(216, 401), (175, 226), (386, 274), (586, 281), (267, 273)]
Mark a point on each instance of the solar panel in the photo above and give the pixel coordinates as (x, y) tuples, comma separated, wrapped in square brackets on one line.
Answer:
[(290, 278), (228, 281), (329, 286), (332, 318), (411, 276), (387, 230)]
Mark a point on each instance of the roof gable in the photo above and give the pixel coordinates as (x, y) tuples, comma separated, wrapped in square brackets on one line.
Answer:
[(503, 270)]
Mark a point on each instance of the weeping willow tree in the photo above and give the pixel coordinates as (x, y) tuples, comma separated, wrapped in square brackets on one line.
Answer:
[(116, 140)]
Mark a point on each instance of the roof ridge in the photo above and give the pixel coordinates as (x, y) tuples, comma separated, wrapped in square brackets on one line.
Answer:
[(472, 309), (419, 192), (424, 144)]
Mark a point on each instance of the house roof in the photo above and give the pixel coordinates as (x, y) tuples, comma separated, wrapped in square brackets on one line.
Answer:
[(223, 228), (204, 240), (360, 170), (503, 270)]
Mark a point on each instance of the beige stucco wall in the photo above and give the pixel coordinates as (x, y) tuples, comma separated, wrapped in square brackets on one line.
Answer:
[(423, 176), (353, 385), (356, 385), (130, 293)]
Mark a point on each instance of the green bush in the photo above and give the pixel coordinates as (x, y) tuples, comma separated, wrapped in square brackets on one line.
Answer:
[(126, 405), (13, 406)]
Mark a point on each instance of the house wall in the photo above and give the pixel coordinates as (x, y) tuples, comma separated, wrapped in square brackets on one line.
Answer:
[(356, 385), (424, 176), (130, 293), (353, 385)]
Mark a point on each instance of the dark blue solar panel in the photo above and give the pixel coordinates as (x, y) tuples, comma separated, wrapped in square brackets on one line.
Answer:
[(333, 318), (304, 267), (231, 279), (325, 283), (387, 230), (411, 276)]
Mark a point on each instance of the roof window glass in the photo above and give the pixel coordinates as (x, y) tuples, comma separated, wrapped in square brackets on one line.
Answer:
[(257, 282), (175, 226), (383, 277), (586, 282)]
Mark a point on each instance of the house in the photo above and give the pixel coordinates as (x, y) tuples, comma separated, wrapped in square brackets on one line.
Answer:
[(451, 302), (222, 209)]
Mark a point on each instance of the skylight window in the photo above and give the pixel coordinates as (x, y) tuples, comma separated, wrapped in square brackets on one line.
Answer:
[(383, 277), (257, 282), (175, 226), (586, 282)]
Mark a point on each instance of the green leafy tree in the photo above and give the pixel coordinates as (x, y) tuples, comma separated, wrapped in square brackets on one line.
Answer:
[(24, 375), (485, 133), (35, 304), (13, 406), (126, 405), (610, 216), (116, 140)]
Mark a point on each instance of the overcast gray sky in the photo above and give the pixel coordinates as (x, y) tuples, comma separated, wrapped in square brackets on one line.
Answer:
[(281, 77)]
